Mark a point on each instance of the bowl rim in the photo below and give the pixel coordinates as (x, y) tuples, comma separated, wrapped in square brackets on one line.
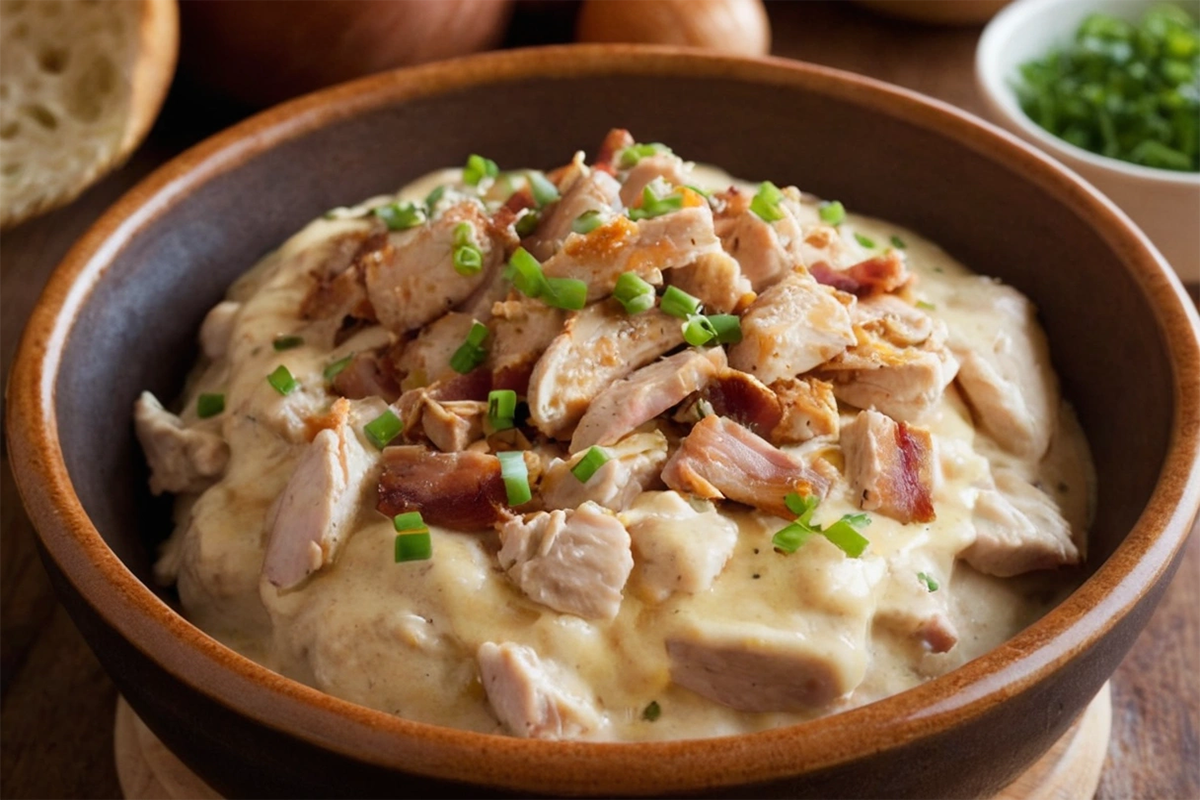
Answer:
[(221, 675), (994, 86)]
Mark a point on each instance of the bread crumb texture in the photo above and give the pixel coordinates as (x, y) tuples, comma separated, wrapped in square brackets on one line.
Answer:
[(66, 82)]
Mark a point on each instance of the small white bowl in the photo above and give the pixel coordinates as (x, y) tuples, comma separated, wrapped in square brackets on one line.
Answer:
[(1164, 203)]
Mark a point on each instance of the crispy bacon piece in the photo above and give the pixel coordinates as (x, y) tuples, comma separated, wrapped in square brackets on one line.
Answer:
[(462, 491), (614, 142), (890, 466), (368, 375), (876, 275), (744, 399), (722, 459)]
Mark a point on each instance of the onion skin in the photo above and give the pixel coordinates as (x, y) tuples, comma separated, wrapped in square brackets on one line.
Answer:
[(729, 26), (261, 52)]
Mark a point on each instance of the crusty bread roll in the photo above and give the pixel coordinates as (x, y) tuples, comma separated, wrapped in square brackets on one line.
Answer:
[(81, 81)]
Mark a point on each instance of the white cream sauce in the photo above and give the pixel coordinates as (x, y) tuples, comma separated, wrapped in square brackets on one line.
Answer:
[(401, 638)]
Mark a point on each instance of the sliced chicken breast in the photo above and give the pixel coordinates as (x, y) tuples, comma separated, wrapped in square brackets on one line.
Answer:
[(181, 459), (531, 697)]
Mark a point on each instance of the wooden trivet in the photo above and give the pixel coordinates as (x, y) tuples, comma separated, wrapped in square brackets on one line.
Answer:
[(1069, 771)]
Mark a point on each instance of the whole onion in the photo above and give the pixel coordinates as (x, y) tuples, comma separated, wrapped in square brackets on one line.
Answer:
[(263, 51)]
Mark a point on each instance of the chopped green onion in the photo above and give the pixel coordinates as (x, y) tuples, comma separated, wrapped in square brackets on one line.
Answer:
[(434, 197), (926, 306), (930, 583), (790, 538), (467, 257), (652, 711), (283, 381), (528, 223), (705, 193), (334, 369), (409, 521), (471, 352), (679, 303), (282, 343), (516, 477), (898, 243), (209, 405), (631, 155), (383, 429), (526, 273), (544, 192), (478, 168), (766, 201), (588, 221), (728, 328), (698, 331), (845, 534), (413, 546), (502, 409), (832, 212), (633, 293), (568, 293), (654, 206), (594, 459), (400, 216), (801, 505), (865, 241)]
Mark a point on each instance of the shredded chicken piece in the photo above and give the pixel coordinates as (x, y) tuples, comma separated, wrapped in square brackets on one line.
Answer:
[(634, 465), (181, 459), (530, 696)]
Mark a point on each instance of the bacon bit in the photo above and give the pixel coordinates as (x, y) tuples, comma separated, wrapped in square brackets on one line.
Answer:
[(368, 375), (616, 141), (744, 399), (876, 275), (914, 479), (890, 466), (463, 491), (475, 385), (514, 377)]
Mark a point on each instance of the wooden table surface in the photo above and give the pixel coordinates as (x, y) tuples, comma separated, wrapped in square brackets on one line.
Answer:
[(56, 726)]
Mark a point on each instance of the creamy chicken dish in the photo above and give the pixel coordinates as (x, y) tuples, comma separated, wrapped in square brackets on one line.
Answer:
[(627, 450)]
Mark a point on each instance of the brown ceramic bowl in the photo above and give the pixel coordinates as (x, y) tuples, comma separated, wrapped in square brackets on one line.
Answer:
[(122, 311)]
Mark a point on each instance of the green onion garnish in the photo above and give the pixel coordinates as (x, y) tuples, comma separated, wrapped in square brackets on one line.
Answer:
[(525, 273), (898, 243), (434, 197), (413, 546), (728, 328), (478, 168), (400, 216), (502, 409), (516, 477), (471, 352), (467, 257), (766, 201), (654, 206), (832, 212), (594, 459), (282, 343), (679, 303), (845, 534), (930, 583), (652, 711), (544, 192), (409, 521), (588, 221), (698, 330), (568, 293), (705, 193), (528, 223), (383, 429), (631, 155), (283, 381), (209, 405), (865, 241), (635, 294), (926, 306), (336, 367)]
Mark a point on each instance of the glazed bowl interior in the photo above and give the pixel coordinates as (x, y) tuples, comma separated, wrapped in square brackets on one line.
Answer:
[(145, 277)]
